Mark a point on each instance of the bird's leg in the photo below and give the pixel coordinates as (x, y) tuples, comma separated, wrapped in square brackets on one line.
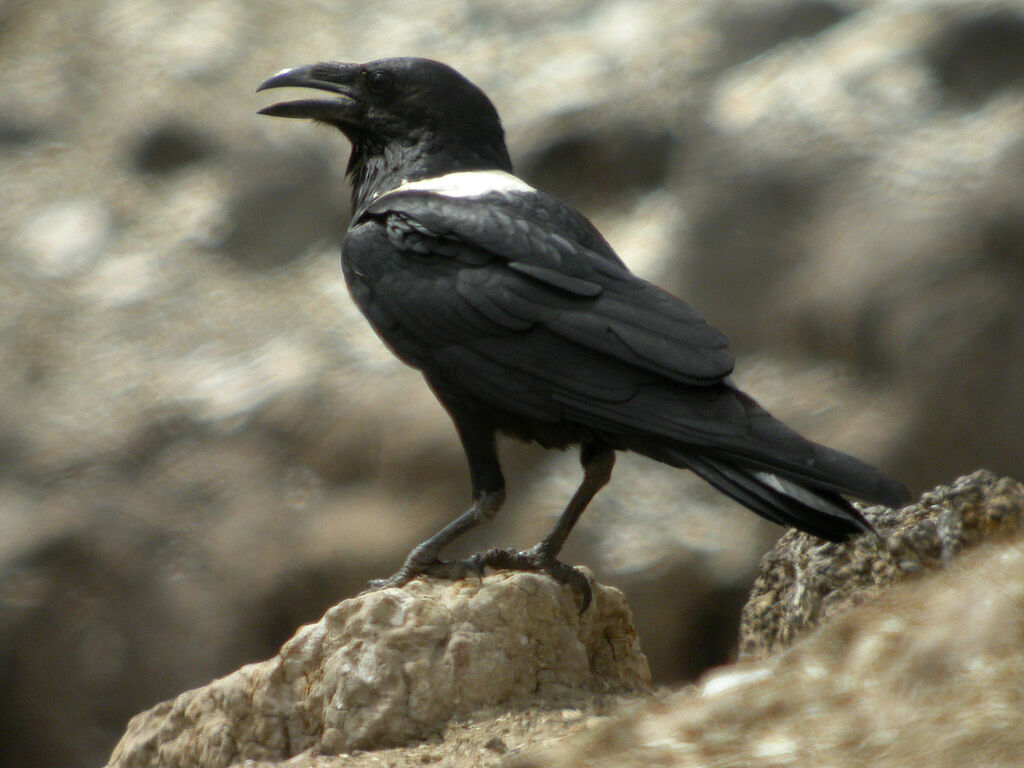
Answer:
[(488, 496), (423, 560), (597, 461)]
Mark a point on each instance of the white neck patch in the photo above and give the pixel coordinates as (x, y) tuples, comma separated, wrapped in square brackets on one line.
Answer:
[(466, 184)]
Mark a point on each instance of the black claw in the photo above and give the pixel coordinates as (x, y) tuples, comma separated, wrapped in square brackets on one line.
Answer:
[(574, 579), (452, 570), (537, 561), (501, 559), (395, 580), (532, 560)]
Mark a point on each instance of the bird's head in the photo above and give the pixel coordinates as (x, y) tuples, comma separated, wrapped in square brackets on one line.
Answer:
[(407, 118)]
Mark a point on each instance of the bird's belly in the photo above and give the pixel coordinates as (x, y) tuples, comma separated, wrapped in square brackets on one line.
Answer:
[(548, 434)]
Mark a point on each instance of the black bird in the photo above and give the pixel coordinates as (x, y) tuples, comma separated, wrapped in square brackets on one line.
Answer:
[(524, 321)]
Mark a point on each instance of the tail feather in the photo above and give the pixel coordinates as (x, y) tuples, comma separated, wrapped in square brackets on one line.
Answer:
[(728, 428), (772, 446), (784, 477), (727, 438), (822, 513)]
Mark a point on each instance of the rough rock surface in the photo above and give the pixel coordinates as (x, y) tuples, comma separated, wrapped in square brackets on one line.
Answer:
[(804, 581), (394, 666), (930, 675)]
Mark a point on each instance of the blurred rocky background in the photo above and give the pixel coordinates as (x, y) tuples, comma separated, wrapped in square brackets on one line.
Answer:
[(202, 445)]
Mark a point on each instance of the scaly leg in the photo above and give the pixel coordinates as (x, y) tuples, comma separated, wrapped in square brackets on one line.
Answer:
[(488, 496), (424, 560), (597, 461)]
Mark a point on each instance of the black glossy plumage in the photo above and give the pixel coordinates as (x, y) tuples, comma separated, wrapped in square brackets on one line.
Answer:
[(524, 320)]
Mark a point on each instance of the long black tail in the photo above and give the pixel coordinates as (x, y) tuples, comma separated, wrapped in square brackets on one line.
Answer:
[(823, 513), (786, 478)]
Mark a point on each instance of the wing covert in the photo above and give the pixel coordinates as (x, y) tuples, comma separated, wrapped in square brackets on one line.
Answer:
[(486, 276)]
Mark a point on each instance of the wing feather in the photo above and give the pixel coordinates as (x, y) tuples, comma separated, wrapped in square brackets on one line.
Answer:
[(522, 306), (532, 311)]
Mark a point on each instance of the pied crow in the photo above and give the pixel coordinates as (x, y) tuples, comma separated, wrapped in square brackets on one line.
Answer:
[(524, 321)]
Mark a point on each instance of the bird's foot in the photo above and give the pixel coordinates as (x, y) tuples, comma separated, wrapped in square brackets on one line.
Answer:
[(452, 570), (536, 560)]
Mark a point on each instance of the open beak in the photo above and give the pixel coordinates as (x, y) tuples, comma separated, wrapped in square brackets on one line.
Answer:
[(339, 79)]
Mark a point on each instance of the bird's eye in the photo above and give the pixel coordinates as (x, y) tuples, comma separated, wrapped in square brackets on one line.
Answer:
[(379, 81)]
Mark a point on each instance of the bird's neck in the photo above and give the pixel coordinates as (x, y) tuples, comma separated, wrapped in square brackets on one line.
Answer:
[(376, 170)]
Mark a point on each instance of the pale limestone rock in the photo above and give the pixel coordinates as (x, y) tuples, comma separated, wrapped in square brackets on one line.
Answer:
[(390, 667)]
